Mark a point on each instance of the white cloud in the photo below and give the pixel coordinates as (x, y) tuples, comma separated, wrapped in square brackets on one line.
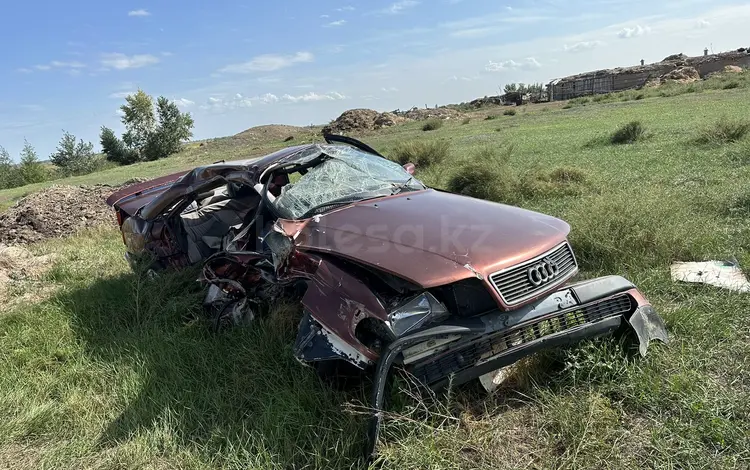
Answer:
[(456, 78), (400, 6), (702, 24), (333, 24), (269, 98), (239, 101), (389, 89), (345, 8), (140, 12), (582, 46), (528, 63), (121, 61), (268, 63), (312, 96), (325, 16), (638, 30), (71, 65), (121, 94), (24, 70), (184, 103)]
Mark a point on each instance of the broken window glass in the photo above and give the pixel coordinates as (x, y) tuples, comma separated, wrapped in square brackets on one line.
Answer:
[(348, 175)]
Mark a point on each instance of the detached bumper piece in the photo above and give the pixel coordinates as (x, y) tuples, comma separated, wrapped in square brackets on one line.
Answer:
[(468, 349)]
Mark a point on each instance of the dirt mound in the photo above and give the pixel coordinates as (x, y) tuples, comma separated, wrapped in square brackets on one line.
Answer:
[(353, 120), (681, 75), (54, 212), (419, 114), (732, 69), (387, 120), (270, 132)]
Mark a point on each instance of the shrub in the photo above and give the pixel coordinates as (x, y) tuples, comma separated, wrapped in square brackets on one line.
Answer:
[(421, 153), (10, 177), (725, 130), (115, 149), (31, 170), (466, 121), (629, 133), (432, 124), (639, 96), (509, 112), (74, 158), (486, 175), (567, 106), (490, 117), (731, 85)]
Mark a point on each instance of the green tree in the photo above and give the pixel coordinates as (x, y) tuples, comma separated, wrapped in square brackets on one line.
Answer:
[(115, 149), (139, 120), (174, 128), (510, 88), (74, 158), (9, 174), (30, 168), (150, 132)]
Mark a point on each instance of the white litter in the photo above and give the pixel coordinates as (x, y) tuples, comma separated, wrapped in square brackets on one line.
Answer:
[(491, 381), (725, 274)]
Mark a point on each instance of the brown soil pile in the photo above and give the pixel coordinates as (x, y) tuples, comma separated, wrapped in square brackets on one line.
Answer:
[(352, 120), (420, 114), (681, 75), (54, 212), (357, 120), (387, 120), (732, 69), (270, 133)]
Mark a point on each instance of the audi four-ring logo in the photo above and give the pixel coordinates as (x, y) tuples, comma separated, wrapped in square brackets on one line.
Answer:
[(542, 272)]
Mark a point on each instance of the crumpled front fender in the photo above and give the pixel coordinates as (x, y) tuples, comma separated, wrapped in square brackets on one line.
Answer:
[(648, 326)]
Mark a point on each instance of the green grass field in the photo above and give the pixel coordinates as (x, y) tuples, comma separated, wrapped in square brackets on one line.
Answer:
[(112, 370)]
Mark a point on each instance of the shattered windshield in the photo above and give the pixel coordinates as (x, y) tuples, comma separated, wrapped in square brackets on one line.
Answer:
[(347, 175)]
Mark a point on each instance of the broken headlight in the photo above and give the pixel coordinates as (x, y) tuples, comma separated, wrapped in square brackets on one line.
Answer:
[(415, 313)]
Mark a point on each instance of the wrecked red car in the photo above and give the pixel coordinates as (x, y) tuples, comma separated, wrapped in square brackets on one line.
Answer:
[(389, 271)]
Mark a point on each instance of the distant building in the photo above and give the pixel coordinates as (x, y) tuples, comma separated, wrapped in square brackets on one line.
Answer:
[(625, 78)]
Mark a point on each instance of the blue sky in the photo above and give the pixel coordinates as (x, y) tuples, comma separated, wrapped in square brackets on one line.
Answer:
[(236, 64)]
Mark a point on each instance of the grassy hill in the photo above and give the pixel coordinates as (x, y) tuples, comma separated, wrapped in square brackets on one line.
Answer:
[(106, 369)]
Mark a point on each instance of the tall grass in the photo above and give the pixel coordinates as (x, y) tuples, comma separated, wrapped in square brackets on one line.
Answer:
[(423, 153), (629, 133), (723, 131)]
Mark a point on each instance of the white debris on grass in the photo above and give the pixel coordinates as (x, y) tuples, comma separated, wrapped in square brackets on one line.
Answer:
[(724, 274)]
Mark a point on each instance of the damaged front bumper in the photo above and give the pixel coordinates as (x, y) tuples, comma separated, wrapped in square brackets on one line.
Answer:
[(457, 351)]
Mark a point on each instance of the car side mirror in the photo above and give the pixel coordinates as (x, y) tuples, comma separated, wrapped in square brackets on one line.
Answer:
[(410, 168)]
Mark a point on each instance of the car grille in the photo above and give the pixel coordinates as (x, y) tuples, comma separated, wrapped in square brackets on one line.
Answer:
[(465, 357), (514, 284)]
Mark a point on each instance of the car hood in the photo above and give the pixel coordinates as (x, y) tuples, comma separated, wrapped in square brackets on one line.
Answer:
[(430, 237)]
